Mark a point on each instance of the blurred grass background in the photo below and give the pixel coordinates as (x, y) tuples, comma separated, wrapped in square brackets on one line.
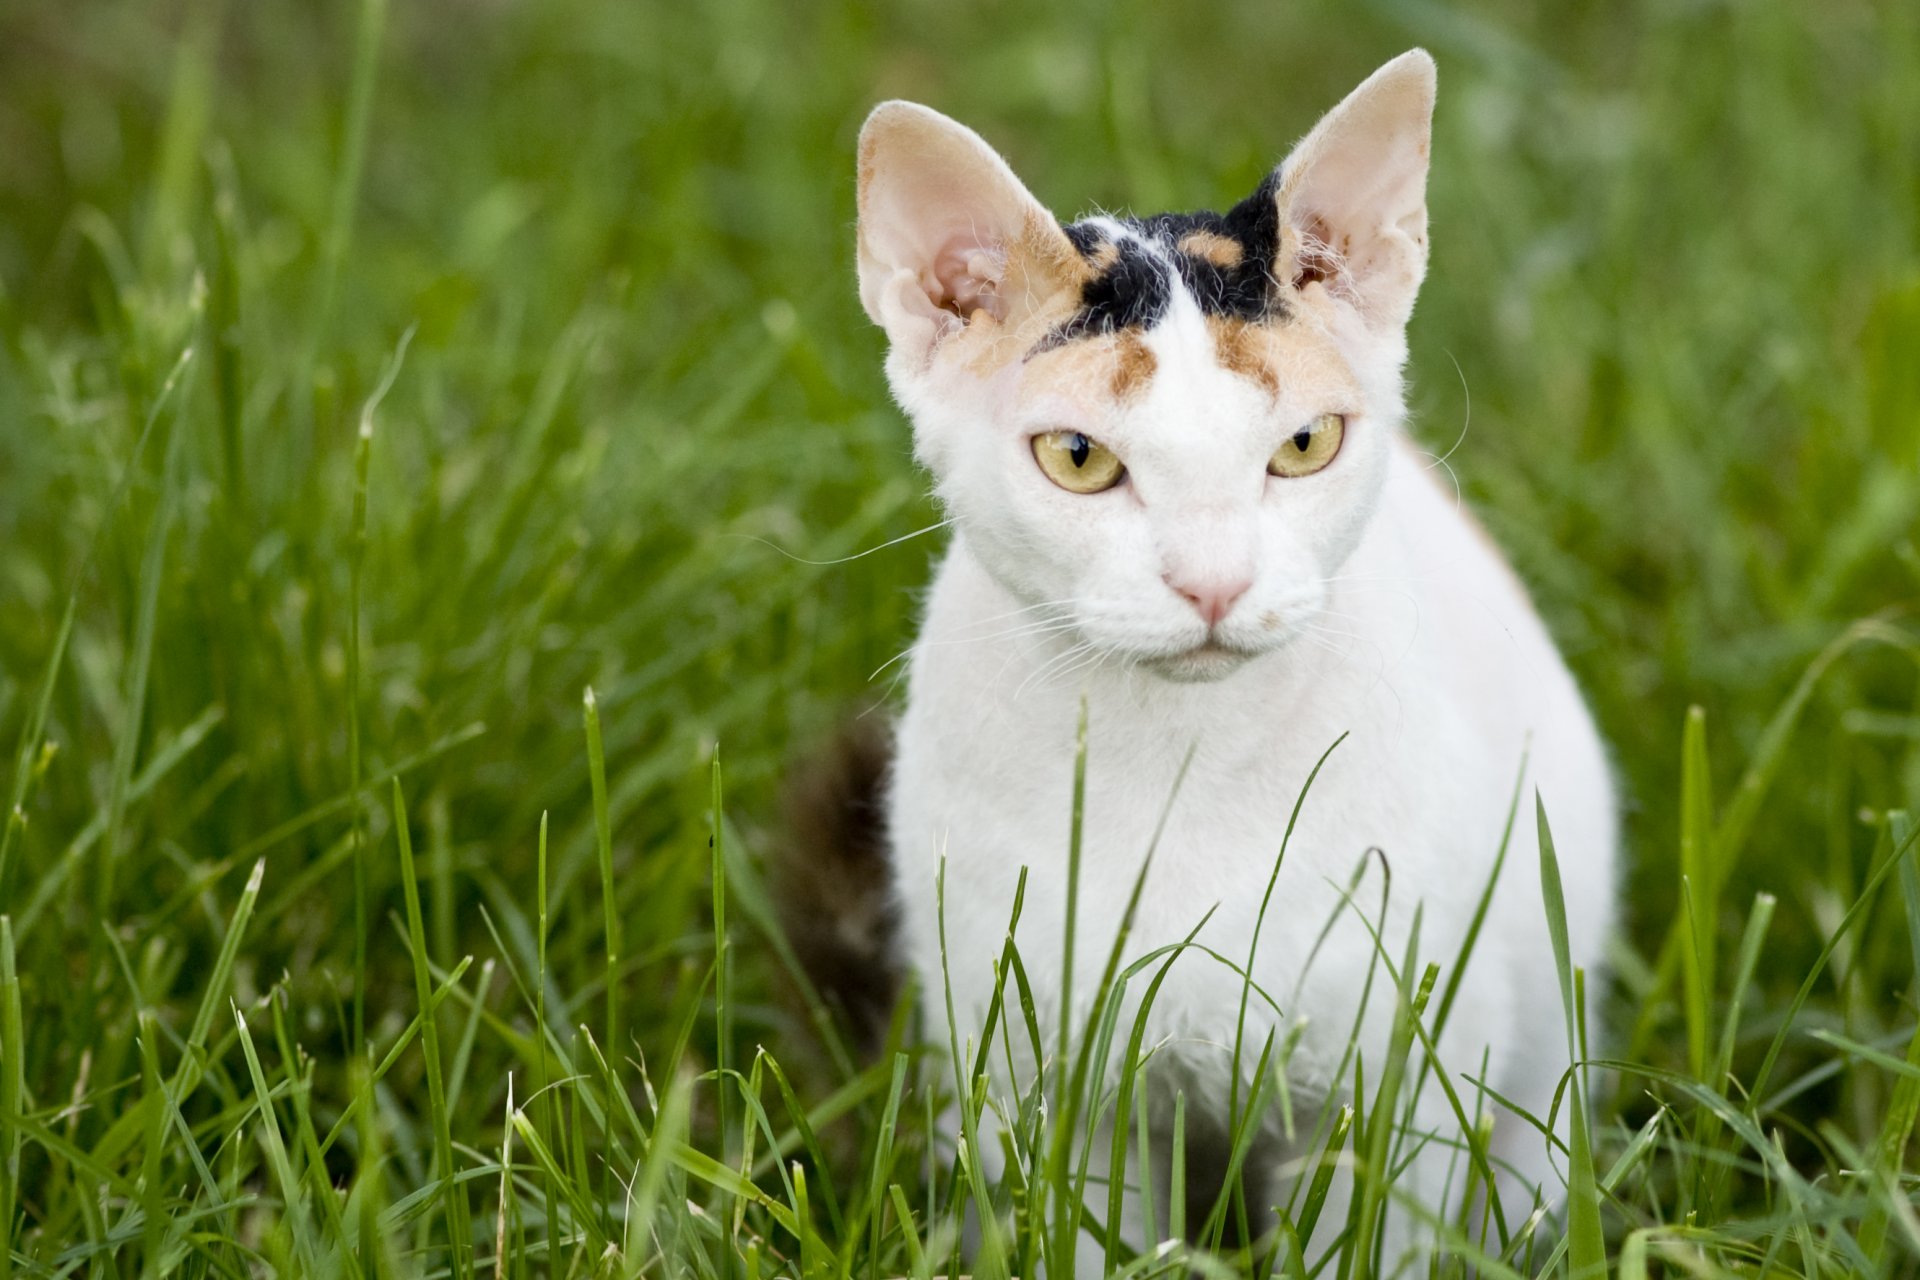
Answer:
[(1670, 344)]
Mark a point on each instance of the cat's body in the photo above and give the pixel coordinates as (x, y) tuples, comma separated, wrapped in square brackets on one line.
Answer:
[(1214, 603), (1445, 679)]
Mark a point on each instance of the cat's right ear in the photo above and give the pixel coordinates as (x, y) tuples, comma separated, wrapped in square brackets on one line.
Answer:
[(1353, 195), (947, 232)]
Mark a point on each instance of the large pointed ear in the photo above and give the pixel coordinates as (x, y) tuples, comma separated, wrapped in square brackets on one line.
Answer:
[(948, 235), (1353, 195)]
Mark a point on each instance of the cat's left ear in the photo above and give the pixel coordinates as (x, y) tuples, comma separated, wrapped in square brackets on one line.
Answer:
[(1353, 195)]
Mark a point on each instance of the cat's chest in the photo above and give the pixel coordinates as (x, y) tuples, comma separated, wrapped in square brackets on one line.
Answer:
[(988, 750), (984, 793)]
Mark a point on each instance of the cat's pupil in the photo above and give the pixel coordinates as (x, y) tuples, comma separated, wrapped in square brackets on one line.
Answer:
[(1079, 448), (1302, 439)]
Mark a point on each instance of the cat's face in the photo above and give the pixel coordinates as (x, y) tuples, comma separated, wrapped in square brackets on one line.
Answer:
[(1166, 434)]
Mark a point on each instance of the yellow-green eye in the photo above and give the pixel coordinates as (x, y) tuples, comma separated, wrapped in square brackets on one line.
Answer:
[(1310, 448), (1076, 463)]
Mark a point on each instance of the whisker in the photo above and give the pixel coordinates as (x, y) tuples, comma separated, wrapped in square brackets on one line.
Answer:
[(1053, 666), (1041, 628), (893, 542), (1014, 613), (1465, 423)]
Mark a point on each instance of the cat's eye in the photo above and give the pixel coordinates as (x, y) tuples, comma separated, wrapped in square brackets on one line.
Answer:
[(1076, 463), (1310, 448)]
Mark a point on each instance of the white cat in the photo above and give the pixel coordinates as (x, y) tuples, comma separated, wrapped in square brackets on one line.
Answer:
[(1173, 454)]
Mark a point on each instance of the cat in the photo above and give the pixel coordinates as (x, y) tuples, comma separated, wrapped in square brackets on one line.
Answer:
[(1184, 506)]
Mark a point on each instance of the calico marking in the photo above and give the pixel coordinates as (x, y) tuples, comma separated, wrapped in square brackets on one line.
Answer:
[(1129, 285), (1225, 262), (1133, 366)]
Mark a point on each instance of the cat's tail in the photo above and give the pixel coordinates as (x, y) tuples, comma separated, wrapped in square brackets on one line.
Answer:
[(831, 881)]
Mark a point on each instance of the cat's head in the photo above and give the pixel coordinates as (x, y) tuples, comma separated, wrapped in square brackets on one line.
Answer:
[(1169, 431)]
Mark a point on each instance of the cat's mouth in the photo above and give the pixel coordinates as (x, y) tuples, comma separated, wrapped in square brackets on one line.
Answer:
[(1211, 659)]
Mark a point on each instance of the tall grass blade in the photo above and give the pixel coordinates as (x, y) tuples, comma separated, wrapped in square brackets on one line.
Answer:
[(1699, 891), (1586, 1248), (543, 1081), (356, 570), (277, 1162), (453, 1191), (603, 847), (1896, 1129), (1063, 1102), (722, 986), (13, 1088)]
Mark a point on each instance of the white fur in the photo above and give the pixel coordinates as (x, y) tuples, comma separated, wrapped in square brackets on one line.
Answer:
[(1376, 610)]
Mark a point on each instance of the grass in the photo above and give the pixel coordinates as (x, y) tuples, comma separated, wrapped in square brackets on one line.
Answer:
[(376, 379)]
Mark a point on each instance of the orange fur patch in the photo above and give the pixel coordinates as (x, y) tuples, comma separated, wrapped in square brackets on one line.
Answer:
[(1245, 349), (1210, 247), (1133, 367), (1119, 364)]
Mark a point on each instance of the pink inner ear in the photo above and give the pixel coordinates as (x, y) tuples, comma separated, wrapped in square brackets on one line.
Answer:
[(967, 276), (1314, 259)]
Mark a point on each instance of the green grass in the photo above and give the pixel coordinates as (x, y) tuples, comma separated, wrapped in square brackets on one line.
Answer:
[(376, 379)]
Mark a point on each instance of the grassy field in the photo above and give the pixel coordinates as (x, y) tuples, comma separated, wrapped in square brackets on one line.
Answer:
[(375, 378)]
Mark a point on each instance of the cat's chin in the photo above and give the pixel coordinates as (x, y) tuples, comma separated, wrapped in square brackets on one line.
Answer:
[(1201, 665)]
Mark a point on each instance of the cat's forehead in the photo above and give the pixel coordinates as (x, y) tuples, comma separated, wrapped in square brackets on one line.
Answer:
[(1181, 302), (1134, 267), (1138, 279)]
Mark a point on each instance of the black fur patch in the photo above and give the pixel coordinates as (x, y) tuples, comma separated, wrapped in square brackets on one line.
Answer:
[(1134, 281), (1133, 289), (832, 883)]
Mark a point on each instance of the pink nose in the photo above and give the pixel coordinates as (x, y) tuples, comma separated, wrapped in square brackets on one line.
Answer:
[(1211, 599)]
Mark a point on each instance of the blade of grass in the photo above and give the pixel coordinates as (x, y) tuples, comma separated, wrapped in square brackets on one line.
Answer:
[(13, 1088), (1707, 1131), (1253, 945), (153, 1104), (1065, 1209), (1459, 970), (187, 1076), (356, 568), (1586, 1248), (1698, 890), (990, 1258), (603, 846), (543, 1082), (463, 1052), (454, 1194), (282, 1168), (903, 1213), (722, 986), (506, 1202), (1384, 1115), (1896, 1129)]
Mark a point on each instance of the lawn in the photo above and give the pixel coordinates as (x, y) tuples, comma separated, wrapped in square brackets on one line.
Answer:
[(376, 379)]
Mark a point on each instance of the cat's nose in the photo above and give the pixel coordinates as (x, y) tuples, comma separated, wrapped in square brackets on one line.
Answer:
[(1211, 598)]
